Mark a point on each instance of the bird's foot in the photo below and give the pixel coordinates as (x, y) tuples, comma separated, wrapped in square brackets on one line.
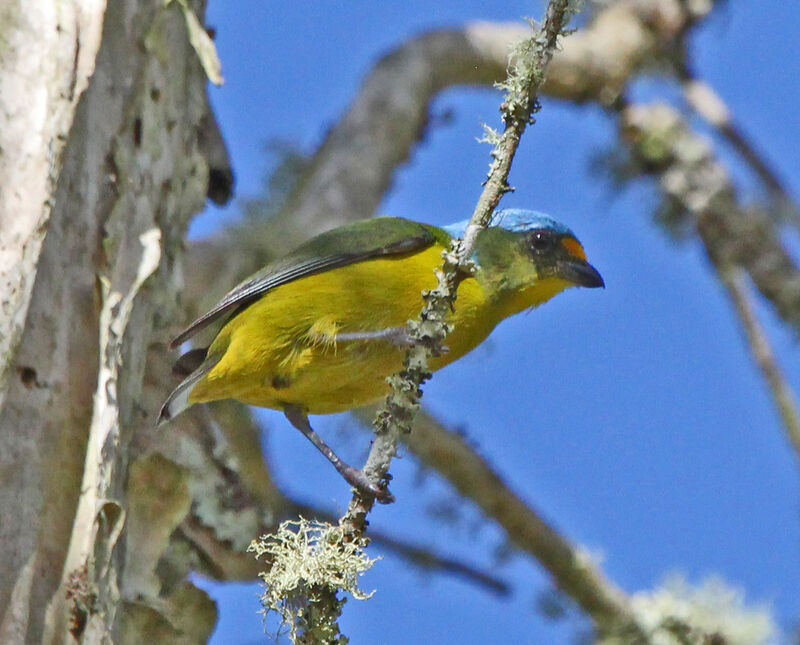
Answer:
[(358, 479)]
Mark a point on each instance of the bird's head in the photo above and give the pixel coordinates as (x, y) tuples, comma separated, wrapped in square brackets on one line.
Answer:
[(528, 257)]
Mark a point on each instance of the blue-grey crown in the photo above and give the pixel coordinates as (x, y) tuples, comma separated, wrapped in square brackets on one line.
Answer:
[(516, 220)]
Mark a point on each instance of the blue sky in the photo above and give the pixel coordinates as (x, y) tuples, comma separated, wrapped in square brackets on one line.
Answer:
[(632, 417)]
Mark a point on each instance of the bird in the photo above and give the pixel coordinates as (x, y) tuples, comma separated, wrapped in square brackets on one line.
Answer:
[(320, 330)]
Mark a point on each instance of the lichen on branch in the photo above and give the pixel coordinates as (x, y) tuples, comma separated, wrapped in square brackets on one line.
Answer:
[(310, 563)]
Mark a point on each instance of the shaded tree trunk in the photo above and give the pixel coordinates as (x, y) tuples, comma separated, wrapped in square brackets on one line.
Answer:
[(122, 91)]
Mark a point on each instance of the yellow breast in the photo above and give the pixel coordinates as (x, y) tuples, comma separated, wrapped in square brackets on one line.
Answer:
[(283, 349)]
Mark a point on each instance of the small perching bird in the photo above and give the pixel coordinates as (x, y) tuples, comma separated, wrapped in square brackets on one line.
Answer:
[(320, 330)]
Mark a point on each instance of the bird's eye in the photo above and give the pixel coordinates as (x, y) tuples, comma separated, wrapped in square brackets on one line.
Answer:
[(540, 240)]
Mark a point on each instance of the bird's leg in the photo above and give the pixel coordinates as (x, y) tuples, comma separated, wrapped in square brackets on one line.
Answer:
[(355, 477), (397, 336)]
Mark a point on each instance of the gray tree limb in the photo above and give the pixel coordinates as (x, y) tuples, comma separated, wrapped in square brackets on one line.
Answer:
[(130, 175), (697, 192)]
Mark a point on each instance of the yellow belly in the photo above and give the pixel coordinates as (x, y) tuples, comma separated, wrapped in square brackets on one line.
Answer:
[(283, 348)]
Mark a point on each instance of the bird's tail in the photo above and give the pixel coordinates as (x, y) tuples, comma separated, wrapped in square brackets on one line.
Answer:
[(196, 364)]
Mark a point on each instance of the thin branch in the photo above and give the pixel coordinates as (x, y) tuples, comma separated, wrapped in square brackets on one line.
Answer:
[(763, 355), (520, 104), (435, 562), (402, 403), (430, 330)]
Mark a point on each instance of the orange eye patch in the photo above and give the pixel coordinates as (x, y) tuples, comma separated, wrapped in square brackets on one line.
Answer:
[(573, 247)]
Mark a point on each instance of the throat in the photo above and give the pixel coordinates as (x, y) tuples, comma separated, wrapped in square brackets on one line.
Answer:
[(516, 301)]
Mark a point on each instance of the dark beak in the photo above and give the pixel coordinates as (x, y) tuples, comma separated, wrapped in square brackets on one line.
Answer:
[(580, 273)]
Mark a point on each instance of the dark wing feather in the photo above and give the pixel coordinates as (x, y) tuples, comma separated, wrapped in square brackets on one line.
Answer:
[(363, 240)]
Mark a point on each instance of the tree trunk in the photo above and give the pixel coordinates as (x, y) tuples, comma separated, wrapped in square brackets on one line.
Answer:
[(122, 91)]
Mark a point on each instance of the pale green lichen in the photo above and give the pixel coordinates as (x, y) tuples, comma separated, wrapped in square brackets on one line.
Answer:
[(678, 613), (309, 560), (525, 69), (529, 58), (490, 136)]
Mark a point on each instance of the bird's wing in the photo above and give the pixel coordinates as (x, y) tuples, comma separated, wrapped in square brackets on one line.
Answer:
[(349, 244)]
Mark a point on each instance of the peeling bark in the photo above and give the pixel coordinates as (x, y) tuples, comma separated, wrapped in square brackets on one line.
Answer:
[(131, 175)]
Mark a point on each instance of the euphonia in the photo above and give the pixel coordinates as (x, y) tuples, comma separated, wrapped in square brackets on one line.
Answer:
[(320, 330)]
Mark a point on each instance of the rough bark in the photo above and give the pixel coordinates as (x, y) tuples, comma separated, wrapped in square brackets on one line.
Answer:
[(131, 175)]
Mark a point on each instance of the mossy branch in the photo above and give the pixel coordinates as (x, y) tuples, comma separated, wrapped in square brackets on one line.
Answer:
[(698, 195), (527, 70), (529, 60)]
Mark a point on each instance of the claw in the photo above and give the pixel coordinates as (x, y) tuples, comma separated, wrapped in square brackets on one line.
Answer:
[(358, 479)]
